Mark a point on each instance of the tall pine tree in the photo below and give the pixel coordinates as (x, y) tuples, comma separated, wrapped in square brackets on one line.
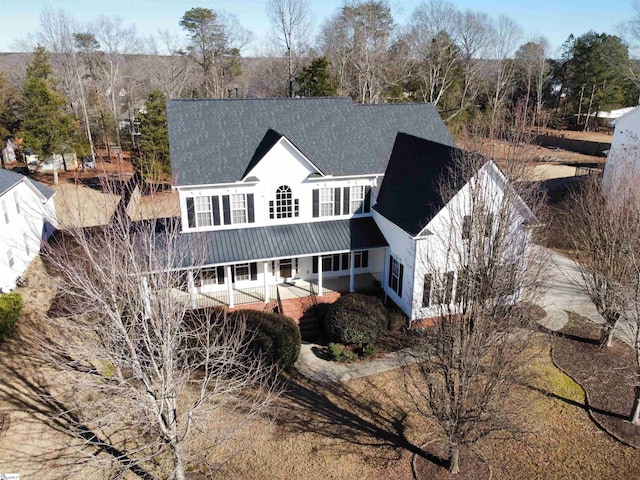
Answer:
[(153, 158), (47, 128)]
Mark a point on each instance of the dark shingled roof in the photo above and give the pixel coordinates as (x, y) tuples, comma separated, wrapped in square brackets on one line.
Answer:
[(214, 141), (8, 179), (280, 241), (409, 195)]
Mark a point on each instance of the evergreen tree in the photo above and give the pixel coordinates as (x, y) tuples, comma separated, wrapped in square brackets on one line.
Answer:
[(153, 159), (9, 106), (46, 126), (315, 80)]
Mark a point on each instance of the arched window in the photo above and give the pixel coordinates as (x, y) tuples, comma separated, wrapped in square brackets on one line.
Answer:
[(285, 206)]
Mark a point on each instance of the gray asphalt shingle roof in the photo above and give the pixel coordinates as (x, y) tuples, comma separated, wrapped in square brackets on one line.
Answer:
[(8, 179), (280, 241), (213, 141)]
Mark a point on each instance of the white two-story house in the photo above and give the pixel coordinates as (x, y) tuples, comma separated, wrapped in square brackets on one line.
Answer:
[(283, 193), (27, 216)]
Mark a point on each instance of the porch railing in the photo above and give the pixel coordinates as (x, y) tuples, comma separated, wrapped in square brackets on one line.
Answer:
[(362, 281)]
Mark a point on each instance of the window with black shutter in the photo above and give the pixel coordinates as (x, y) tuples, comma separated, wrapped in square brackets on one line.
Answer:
[(226, 210), (316, 202), (191, 213)]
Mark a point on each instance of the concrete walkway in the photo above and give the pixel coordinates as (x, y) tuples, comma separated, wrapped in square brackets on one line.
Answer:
[(319, 370), (561, 295)]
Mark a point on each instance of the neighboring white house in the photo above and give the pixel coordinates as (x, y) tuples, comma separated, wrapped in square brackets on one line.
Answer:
[(623, 159), (27, 216), (316, 191)]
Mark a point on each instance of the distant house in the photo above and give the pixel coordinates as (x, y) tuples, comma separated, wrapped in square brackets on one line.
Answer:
[(312, 195), (623, 159), (27, 216)]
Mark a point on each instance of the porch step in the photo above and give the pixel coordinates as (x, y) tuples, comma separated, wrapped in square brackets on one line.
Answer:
[(310, 328)]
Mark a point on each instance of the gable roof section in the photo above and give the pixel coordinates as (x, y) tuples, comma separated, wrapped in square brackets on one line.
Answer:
[(9, 179), (409, 195), (270, 139), (215, 141)]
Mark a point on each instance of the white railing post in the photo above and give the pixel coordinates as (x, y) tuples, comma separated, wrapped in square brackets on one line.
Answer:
[(230, 287), (352, 272), (319, 275), (266, 286), (191, 285)]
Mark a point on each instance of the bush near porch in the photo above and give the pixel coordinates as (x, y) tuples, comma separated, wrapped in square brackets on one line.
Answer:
[(275, 336), (355, 319)]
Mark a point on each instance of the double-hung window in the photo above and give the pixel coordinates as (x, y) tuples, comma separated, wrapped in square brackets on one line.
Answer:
[(203, 211), (396, 270), (357, 199), (238, 208), (326, 202), (10, 258)]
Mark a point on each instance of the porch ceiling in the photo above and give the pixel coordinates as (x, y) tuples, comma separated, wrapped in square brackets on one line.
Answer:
[(280, 241)]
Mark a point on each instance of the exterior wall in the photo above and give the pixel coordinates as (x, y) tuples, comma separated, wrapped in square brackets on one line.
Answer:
[(623, 160), (403, 248), (442, 250), (302, 269), (28, 214), (282, 165)]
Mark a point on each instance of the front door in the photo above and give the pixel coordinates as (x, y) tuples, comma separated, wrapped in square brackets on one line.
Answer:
[(285, 268)]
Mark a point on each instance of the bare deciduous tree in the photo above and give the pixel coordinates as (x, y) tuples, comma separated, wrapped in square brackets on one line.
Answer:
[(481, 275), (145, 380), (290, 20), (597, 232)]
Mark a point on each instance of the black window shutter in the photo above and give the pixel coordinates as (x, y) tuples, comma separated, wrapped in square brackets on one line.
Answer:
[(336, 201), (216, 210), (314, 268), (367, 199), (254, 270), (390, 269), (272, 214), (220, 275), (316, 203), (250, 210), (336, 260), (365, 259), (191, 212), (426, 290), (233, 274), (226, 210), (345, 261), (345, 200), (400, 281)]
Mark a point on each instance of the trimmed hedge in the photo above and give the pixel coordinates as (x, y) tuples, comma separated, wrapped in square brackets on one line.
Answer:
[(276, 336), (10, 309), (355, 319)]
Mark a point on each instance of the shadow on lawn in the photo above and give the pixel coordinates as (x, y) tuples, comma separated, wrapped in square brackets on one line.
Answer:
[(368, 422), (584, 406), (27, 393), (569, 336)]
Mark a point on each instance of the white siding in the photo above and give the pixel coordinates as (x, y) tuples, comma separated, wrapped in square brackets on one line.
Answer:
[(282, 165), (623, 160), (26, 223)]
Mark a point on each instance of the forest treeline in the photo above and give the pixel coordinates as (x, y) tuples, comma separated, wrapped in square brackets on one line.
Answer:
[(102, 84)]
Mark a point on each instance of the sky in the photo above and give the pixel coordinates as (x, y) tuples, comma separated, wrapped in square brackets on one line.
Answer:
[(551, 18)]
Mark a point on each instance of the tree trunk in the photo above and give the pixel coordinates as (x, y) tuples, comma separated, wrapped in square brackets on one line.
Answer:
[(635, 413), (454, 459), (606, 338)]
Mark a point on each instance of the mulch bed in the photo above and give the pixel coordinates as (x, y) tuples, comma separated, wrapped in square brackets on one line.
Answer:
[(434, 466), (607, 375)]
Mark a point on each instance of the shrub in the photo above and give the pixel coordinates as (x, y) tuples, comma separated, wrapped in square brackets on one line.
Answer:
[(341, 353), (276, 336), (355, 319), (10, 309), (397, 320)]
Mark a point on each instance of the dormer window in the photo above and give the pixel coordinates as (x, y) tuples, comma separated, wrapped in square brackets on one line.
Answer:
[(284, 206)]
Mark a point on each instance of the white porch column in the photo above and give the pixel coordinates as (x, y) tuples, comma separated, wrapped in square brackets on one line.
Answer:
[(230, 286), (319, 275), (352, 272), (266, 284), (146, 295), (191, 285)]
